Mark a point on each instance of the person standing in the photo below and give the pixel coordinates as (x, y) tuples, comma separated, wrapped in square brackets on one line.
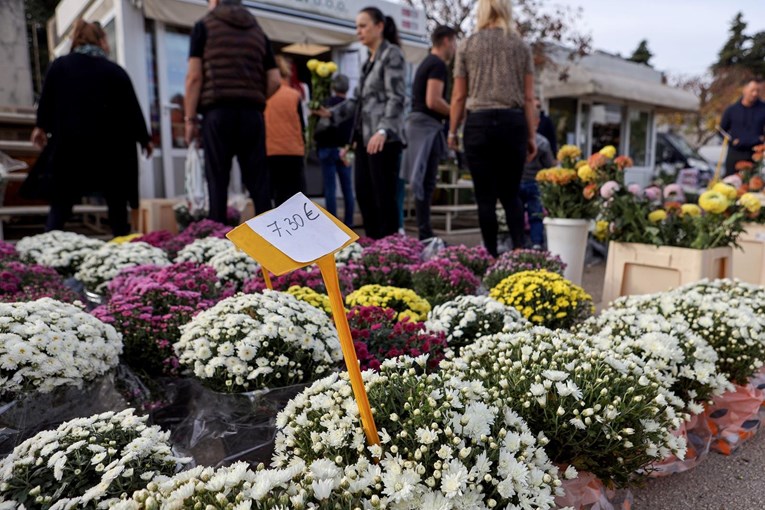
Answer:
[(529, 194), (377, 108), (285, 143), (231, 73), (88, 124), (494, 82), (329, 144), (744, 121), (426, 143), (546, 127)]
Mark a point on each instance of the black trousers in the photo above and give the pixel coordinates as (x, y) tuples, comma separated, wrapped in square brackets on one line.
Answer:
[(287, 177), (229, 131), (61, 211), (495, 149), (735, 155), (422, 207), (376, 177)]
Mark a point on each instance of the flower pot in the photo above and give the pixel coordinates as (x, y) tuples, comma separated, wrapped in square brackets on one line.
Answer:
[(93, 298), (698, 437), (635, 268), (734, 417), (567, 238), (587, 491), (749, 260)]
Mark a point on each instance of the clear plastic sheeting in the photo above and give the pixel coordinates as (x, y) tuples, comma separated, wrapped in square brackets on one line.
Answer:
[(587, 492), (23, 418), (734, 418), (220, 428), (698, 437)]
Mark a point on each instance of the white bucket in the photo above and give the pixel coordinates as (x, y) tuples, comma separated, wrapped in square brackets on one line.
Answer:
[(567, 238)]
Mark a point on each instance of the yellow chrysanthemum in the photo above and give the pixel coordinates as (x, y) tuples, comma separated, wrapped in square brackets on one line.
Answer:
[(323, 70), (690, 210), (586, 173), (313, 298), (608, 151), (726, 190), (750, 202), (332, 67), (125, 239), (601, 230), (405, 302), (657, 216), (312, 64), (713, 202), (569, 151)]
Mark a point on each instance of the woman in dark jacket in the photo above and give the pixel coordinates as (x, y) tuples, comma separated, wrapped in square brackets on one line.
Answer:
[(88, 124)]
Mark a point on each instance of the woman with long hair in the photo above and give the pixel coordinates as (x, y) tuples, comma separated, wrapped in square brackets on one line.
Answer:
[(494, 83), (88, 125), (377, 107)]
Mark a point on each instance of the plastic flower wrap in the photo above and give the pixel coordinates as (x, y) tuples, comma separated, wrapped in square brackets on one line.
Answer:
[(600, 410), (441, 280), (86, 463), (725, 322), (684, 360), (377, 336), (475, 258), (46, 344), (313, 298), (443, 445), (515, 261), (234, 267), (545, 298), (405, 302), (254, 341), (27, 282), (467, 318), (203, 250), (321, 80), (63, 251), (387, 261), (308, 276), (100, 266), (149, 304)]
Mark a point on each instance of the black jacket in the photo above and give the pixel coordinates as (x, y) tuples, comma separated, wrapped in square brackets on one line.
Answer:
[(89, 108)]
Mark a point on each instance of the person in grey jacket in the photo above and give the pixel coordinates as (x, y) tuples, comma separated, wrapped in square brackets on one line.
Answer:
[(377, 107)]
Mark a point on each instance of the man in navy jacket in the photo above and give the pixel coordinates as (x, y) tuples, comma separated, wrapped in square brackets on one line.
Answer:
[(744, 120)]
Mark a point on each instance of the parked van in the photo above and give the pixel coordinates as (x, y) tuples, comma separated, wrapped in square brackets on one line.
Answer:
[(676, 161)]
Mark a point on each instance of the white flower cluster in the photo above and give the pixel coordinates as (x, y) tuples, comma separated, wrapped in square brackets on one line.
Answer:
[(723, 320), (100, 266), (253, 341), (750, 294), (202, 250), (350, 253), (46, 343), (601, 411), (233, 265), (685, 362), (467, 318), (86, 462), (442, 444), (63, 251)]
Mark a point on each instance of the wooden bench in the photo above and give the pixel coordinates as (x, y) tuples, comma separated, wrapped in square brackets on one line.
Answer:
[(11, 211)]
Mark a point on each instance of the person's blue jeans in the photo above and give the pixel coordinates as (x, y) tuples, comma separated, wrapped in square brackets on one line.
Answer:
[(532, 204), (331, 164)]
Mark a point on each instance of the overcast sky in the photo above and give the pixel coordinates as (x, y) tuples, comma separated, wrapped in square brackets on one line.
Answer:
[(684, 35)]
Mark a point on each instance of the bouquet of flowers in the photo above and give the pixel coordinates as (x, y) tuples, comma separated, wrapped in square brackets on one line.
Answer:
[(601, 411), (313, 298), (86, 463), (388, 261), (63, 251), (254, 341), (405, 302), (47, 344), (434, 431), (321, 80), (515, 261), (467, 318), (99, 267), (545, 298), (441, 280), (308, 276), (149, 304), (476, 258), (28, 282), (378, 335), (684, 360)]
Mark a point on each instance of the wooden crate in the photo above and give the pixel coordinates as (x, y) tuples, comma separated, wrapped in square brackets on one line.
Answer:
[(749, 260), (157, 214), (634, 268)]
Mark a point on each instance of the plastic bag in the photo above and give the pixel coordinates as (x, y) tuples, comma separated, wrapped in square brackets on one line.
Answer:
[(587, 492), (222, 428), (698, 437), (8, 164), (734, 418), (758, 381), (195, 183), (23, 418), (432, 247)]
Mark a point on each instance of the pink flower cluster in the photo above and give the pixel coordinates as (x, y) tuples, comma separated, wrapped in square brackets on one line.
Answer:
[(8, 252), (441, 280), (515, 261), (387, 261), (476, 258), (29, 282)]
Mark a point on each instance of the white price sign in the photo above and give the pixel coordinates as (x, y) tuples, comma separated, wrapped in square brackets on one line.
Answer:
[(299, 229)]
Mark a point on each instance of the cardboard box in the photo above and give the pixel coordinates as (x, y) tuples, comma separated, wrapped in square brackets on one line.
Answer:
[(749, 260)]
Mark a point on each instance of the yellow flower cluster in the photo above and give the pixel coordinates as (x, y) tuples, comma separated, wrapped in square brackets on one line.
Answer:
[(560, 176), (608, 151), (585, 172), (544, 298), (125, 239), (713, 201), (323, 69), (750, 202), (569, 151), (313, 298), (405, 302)]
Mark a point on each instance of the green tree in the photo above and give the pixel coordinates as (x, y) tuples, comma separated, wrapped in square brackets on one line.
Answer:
[(642, 55), (733, 51), (754, 58)]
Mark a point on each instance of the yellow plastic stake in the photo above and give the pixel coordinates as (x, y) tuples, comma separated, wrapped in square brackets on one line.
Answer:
[(718, 170), (267, 278), (329, 273)]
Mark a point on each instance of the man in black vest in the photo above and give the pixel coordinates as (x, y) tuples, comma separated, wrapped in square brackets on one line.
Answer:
[(231, 73)]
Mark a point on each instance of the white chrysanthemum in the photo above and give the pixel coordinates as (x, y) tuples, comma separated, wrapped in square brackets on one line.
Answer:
[(350, 253), (63, 251), (99, 267), (203, 250), (234, 265)]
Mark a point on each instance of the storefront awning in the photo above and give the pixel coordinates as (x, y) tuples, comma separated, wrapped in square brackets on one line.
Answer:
[(280, 24)]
